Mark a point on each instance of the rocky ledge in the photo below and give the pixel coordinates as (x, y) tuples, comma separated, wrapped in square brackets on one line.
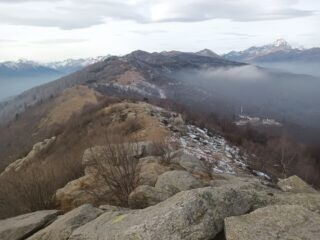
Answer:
[(242, 207)]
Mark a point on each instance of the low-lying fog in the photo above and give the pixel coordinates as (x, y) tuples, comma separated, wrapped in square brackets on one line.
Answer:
[(261, 92), (14, 86)]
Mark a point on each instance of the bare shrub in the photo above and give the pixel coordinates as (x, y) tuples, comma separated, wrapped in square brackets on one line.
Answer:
[(119, 167), (131, 125), (163, 149), (279, 158)]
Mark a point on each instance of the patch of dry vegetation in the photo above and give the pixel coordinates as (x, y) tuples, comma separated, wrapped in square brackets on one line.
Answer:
[(134, 120), (33, 188), (69, 103), (130, 77)]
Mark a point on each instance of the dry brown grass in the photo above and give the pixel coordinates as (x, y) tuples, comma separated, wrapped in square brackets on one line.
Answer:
[(130, 77), (81, 131), (126, 114), (163, 149), (33, 188), (72, 101)]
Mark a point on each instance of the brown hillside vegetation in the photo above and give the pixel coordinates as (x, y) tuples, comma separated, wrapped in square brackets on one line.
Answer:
[(42, 121), (60, 163), (70, 102)]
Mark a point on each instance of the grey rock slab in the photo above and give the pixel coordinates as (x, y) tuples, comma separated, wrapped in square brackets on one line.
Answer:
[(188, 215), (62, 228), (22, 226), (180, 180), (285, 222), (296, 185), (145, 196)]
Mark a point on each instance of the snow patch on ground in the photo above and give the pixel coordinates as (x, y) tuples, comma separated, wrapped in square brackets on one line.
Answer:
[(215, 150)]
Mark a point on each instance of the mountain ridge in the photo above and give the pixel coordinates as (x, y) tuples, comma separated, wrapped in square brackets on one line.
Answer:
[(280, 55)]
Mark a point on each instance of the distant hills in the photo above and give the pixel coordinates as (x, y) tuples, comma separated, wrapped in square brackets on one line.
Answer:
[(280, 55), (206, 83), (27, 68), (18, 76)]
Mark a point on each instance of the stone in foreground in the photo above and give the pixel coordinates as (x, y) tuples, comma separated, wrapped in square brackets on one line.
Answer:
[(285, 222), (21, 227), (295, 184), (145, 196), (189, 215), (181, 180), (62, 228)]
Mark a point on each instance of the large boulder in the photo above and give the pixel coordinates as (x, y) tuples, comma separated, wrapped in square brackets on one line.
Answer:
[(309, 201), (296, 185), (21, 227), (87, 189), (31, 157), (191, 164), (150, 171), (180, 180), (145, 196), (286, 222), (194, 214), (62, 228), (243, 182)]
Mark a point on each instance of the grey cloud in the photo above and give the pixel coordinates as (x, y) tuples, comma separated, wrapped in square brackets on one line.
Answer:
[(240, 34), (71, 14), (59, 41), (7, 41), (148, 32)]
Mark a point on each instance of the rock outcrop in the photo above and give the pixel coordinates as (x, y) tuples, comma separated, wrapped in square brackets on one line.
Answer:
[(174, 212), (62, 228), (145, 196), (285, 222), (150, 171), (296, 185), (190, 163), (21, 227), (92, 188), (183, 173), (180, 180), (270, 196), (193, 214), (22, 163)]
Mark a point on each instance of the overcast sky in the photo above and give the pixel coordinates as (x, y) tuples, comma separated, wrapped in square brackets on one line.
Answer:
[(47, 30)]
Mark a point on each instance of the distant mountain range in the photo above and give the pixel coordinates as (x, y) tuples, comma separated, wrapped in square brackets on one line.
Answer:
[(207, 83), (280, 55), (27, 68), (18, 76)]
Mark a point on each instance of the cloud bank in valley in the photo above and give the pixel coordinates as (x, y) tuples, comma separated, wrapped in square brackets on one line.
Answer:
[(247, 73)]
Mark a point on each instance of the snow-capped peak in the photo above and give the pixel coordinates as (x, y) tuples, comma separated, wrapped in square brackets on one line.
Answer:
[(281, 43), (64, 67), (76, 62), (21, 63), (208, 53)]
